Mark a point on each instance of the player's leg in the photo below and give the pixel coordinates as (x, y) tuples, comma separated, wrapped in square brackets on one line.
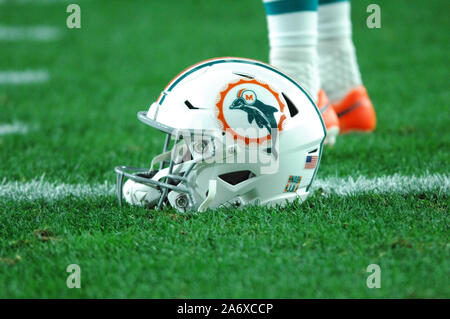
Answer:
[(338, 68), (292, 26)]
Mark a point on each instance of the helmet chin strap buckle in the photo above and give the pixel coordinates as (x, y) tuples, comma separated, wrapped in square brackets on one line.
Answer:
[(212, 190)]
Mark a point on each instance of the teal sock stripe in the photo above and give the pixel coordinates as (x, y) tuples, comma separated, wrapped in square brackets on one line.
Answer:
[(331, 1), (288, 6)]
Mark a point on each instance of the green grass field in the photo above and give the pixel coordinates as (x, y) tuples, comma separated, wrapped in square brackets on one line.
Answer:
[(82, 123)]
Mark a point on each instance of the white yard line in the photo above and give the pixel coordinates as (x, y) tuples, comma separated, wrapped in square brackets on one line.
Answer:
[(14, 128), (23, 77), (396, 184), (52, 191), (34, 33)]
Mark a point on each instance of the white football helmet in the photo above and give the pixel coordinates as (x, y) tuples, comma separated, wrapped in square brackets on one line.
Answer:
[(238, 132)]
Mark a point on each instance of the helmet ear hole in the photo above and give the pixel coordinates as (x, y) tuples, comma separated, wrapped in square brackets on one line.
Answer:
[(237, 177)]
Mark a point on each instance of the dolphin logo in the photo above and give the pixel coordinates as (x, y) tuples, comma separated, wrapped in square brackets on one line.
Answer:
[(257, 111)]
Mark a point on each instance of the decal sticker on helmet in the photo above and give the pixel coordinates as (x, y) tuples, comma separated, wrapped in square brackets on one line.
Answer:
[(250, 111), (293, 183)]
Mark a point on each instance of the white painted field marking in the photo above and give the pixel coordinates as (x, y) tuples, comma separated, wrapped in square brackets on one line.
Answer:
[(34, 33), (23, 77), (14, 128), (396, 184), (52, 191)]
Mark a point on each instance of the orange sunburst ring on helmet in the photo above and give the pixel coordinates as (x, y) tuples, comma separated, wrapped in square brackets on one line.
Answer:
[(221, 116)]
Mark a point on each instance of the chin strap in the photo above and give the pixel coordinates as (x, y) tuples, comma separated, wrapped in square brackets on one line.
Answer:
[(160, 158), (211, 195), (181, 148)]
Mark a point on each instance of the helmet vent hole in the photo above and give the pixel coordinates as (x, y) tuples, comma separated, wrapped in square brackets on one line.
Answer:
[(292, 108), (237, 177), (190, 106), (248, 76)]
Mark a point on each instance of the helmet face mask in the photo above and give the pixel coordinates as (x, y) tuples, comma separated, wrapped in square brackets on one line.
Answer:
[(233, 138)]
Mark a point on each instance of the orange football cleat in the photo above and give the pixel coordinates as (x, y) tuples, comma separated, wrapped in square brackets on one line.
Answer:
[(356, 112), (329, 117)]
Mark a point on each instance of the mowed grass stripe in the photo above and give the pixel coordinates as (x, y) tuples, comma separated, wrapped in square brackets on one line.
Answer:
[(396, 184), (14, 77), (35, 33)]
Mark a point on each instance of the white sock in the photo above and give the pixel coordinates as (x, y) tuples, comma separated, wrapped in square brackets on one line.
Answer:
[(338, 66), (293, 47)]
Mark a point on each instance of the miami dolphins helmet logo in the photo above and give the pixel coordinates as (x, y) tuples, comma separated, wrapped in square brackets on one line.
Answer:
[(251, 111), (262, 113)]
